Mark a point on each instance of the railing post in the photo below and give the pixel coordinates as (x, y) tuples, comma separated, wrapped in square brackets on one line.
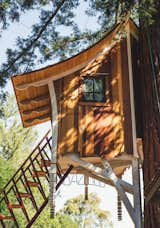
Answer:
[(53, 169)]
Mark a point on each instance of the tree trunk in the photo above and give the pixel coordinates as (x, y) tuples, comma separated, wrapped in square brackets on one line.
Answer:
[(150, 79)]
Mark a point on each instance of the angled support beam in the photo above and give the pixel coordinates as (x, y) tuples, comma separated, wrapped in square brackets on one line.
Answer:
[(53, 169), (62, 179), (108, 174), (118, 185), (128, 188), (135, 210), (74, 159)]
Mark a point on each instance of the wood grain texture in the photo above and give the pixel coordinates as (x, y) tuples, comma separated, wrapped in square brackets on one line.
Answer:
[(126, 100)]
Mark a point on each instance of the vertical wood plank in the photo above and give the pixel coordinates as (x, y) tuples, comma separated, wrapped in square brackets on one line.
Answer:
[(69, 118), (126, 100), (89, 126)]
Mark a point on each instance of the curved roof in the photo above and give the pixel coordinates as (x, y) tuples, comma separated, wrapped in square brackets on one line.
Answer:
[(31, 88)]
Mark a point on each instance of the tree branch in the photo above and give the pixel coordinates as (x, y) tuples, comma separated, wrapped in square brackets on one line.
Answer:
[(37, 37)]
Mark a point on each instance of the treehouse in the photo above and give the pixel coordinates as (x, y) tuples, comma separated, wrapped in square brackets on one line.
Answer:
[(92, 102), (89, 95)]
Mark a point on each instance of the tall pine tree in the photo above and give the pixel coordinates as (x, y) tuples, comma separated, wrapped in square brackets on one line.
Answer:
[(50, 44)]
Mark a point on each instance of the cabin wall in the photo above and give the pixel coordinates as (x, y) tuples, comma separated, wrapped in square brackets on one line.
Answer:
[(67, 100), (92, 128), (97, 128)]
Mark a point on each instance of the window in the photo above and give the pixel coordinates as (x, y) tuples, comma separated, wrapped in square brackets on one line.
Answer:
[(93, 89)]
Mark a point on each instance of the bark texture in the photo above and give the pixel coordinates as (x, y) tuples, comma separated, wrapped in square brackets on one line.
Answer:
[(150, 81)]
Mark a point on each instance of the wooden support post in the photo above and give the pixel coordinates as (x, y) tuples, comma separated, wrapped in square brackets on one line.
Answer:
[(53, 169), (137, 193), (86, 182), (135, 162)]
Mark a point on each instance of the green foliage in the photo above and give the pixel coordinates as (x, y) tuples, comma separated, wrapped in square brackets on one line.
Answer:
[(61, 220), (29, 49), (11, 10), (15, 144), (147, 10), (76, 213), (45, 42), (87, 212), (14, 139), (6, 171)]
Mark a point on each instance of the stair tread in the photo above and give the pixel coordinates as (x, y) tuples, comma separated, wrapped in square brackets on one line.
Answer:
[(5, 217), (32, 183), (39, 173), (12, 205), (24, 195)]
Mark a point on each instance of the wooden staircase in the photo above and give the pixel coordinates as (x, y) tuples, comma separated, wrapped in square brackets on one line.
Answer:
[(26, 194)]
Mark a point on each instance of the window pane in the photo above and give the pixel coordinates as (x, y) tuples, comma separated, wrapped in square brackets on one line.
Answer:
[(98, 85), (88, 96), (88, 85), (99, 97)]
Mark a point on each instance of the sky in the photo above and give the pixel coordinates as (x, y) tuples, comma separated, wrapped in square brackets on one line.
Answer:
[(107, 193)]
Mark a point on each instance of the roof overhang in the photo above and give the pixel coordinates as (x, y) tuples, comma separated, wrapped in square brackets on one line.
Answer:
[(31, 88)]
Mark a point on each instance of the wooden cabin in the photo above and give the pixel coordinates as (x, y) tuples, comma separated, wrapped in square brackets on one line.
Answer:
[(95, 100), (92, 100)]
